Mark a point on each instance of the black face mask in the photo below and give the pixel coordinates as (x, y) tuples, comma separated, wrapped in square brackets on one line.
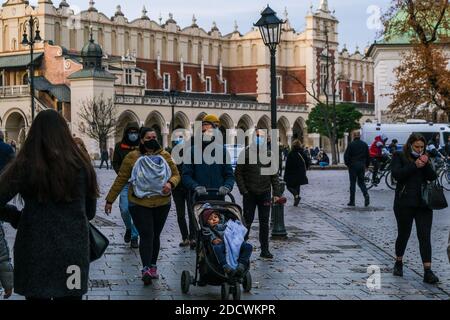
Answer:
[(152, 145)]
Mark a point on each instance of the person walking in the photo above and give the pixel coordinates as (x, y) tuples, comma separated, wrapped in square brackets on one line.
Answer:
[(6, 152), (357, 160), (59, 187), (180, 197), (104, 158), (197, 178), (412, 169), (129, 143), (153, 175), (256, 189), (295, 172)]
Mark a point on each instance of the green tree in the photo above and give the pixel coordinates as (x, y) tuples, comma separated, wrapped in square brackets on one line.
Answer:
[(347, 120)]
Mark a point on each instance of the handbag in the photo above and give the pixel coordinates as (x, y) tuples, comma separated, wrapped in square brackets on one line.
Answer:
[(433, 196), (97, 243)]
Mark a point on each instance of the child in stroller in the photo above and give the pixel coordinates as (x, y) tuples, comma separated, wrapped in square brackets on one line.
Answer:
[(234, 257)]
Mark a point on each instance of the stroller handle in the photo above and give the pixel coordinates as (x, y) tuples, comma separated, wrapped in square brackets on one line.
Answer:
[(212, 190)]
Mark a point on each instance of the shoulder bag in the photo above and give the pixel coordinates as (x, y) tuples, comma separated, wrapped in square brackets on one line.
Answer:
[(97, 243)]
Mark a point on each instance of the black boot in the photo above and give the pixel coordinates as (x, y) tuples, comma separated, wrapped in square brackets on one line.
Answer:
[(297, 201), (366, 200), (127, 236), (351, 203), (430, 277), (398, 268)]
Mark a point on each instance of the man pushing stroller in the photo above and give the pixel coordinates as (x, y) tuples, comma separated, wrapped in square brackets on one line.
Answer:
[(227, 240)]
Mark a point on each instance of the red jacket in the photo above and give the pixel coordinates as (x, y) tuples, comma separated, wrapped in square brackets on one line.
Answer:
[(376, 147)]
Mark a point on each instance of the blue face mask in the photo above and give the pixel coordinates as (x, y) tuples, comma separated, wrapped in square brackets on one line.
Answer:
[(260, 140), (133, 137)]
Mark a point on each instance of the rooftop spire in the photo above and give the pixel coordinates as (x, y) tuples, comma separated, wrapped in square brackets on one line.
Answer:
[(324, 6)]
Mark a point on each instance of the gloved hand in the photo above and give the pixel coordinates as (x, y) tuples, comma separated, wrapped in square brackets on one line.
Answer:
[(223, 191), (201, 191)]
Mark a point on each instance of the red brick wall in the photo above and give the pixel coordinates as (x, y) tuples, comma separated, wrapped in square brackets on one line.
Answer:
[(53, 68), (293, 91), (241, 81)]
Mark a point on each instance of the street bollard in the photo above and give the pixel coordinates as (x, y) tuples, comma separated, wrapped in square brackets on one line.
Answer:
[(277, 217)]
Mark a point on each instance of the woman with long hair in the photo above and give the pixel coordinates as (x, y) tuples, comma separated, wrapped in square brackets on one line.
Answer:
[(153, 175), (59, 188), (412, 169), (297, 163)]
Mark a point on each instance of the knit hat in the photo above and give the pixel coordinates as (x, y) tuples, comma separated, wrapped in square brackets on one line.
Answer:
[(212, 119), (206, 214)]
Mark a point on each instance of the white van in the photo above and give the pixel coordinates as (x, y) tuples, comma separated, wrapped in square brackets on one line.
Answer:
[(402, 131)]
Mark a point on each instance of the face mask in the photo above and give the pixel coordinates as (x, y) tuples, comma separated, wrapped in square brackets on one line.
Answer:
[(133, 137), (260, 141), (416, 154), (152, 144)]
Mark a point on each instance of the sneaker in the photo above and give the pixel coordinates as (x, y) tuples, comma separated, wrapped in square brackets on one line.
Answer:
[(430, 277), (127, 236), (135, 243), (366, 200), (398, 269), (266, 254), (154, 272), (146, 276), (185, 243)]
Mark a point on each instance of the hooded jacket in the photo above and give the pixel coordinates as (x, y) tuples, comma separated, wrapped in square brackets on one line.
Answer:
[(124, 147), (376, 147)]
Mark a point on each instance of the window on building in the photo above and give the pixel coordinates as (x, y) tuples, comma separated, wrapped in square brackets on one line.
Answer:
[(208, 85), (128, 76), (188, 83), (323, 80), (166, 82), (279, 86), (225, 86), (25, 79)]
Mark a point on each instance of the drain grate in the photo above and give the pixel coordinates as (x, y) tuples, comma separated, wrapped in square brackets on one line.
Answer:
[(349, 247), (324, 251), (99, 283)]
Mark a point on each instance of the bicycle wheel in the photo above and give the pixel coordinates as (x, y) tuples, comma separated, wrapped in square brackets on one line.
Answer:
[(368, 179), (444, 179), (390, 181)]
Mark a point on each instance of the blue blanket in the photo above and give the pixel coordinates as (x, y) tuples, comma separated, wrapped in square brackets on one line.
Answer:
[(233, 239)]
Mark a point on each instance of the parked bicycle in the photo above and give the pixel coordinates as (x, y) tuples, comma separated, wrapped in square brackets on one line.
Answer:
[(442, 170)]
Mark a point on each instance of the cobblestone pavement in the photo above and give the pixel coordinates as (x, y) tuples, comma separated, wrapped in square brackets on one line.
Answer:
[(326, 256)]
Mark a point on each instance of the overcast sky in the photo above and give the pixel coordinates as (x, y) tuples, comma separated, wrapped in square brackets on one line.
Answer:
[(358, 18)]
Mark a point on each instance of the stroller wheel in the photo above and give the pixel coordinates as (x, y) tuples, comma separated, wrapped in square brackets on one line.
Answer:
[(186, 281), (237, 292), (247, 282), (225, 291)]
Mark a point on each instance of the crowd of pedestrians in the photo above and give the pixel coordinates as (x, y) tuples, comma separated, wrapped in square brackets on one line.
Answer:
[(56, 182)]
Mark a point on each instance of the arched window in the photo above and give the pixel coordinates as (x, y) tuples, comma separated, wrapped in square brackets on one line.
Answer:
[(140, 45), (175, 50), (152, 47), (114, 42), (220, 53), (73, 39), (127, 42), (101, 37), (57, 34), (6, 44), (25, 79), (240, 56), (254, 54), (190, 49), (210, 54), (164, 49), (200, 53), (86, 35)]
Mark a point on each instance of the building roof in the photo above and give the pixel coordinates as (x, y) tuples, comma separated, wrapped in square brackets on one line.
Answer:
[(59, 91), (19, 61), (92, 73)]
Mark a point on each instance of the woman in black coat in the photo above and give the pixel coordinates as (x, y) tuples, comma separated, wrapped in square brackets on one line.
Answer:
[(412, 169), (297, 164), (59, 187)]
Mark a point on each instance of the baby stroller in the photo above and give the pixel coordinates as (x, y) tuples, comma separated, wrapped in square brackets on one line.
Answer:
[(208, 271)]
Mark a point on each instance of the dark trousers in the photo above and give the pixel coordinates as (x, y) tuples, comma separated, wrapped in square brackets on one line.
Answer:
[(149, 222), (424, 220), (294, 190), (376, 167), (107, 164), (244, 255), (262, 201), (356, 173), (180, 197)]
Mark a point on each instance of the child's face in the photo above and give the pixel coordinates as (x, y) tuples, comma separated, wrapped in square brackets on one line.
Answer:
[(213, 219)]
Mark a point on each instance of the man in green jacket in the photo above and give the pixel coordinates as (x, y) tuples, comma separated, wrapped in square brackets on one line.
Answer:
[(257, 189)]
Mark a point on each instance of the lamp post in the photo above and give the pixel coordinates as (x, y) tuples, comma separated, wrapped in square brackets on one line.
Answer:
[(30, 41), (270, 27), (173, 100)]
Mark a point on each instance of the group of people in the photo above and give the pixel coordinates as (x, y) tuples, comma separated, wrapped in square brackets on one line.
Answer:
[(412, 169)]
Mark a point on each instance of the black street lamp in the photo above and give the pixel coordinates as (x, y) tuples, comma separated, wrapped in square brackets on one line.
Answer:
[(173, 101), (30, 41), (270, 27)]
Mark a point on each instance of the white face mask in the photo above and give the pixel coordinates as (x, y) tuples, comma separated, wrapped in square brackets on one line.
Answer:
[(416, 154)]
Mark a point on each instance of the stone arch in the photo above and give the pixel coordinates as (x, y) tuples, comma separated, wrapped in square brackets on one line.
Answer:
[(226, 126), (156, 121), (125, 118), (15, 126), (283, 127), (245, 123), (200, 116), (299, 129), (264, 123)]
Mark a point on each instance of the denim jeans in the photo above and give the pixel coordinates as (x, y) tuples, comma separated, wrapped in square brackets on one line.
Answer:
[(244, 256), (126, 217)]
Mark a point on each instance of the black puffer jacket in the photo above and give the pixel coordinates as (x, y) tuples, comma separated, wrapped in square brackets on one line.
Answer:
[(124, 147), (410, 181), (296, 166)]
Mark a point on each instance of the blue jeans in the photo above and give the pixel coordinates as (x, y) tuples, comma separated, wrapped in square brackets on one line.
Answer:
[(126, 217), (244, 256), (323, 164)]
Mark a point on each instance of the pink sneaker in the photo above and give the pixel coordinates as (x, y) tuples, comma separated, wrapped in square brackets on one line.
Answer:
[(153, 271)]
